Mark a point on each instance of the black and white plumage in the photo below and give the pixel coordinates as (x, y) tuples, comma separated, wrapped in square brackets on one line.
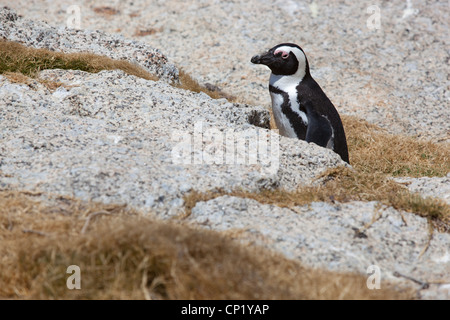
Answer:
[(300, 107)]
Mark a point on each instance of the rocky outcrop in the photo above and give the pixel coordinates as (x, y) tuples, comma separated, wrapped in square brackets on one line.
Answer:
[(113, 137), (353, 237), (384, 62), (116, 138), (38, 34), (429, 187)]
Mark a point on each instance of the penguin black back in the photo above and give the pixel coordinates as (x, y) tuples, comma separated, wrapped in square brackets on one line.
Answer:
[(300, 107), (313, 94)]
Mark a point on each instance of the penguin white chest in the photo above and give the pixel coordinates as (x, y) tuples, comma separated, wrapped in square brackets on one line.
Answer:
[(283, 124), (284, 102)]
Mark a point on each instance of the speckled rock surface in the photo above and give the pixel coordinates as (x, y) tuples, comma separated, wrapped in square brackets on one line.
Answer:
[(395, 76), (436, 187), (342, 237), (37, 34), (112, 137)]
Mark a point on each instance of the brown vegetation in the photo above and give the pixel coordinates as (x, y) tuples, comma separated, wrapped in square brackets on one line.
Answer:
[(106, 11), (147, 31), (124, 255), (343, 185), (18, 63), (374, 150), (189, 83), (18, 59)]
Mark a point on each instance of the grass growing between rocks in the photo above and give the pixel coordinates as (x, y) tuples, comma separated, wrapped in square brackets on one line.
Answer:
[(19, 63), (123, 255), (189, 83), (376, 157), (374, 150), (18, 59), (343, 185)]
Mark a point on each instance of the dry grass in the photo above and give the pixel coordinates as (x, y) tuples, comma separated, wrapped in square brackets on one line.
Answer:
[(372, 150), (106, 11), (19, 63), (16, 58), (343, 185), (189, 83), (17, 77), (123, 255), (147, 31), (376, 156)]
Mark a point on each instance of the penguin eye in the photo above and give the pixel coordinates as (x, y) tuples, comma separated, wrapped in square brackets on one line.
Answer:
[(283, 54)]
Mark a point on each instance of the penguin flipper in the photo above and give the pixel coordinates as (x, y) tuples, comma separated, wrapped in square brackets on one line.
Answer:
[(319, 128), (320, 133)]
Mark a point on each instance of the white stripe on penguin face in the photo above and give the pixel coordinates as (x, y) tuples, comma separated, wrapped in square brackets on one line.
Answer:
[(289, 83), (282, 82)]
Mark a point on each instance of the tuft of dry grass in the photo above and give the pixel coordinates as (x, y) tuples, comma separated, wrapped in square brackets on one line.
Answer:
[(372, 149), (189, 83), (343, 184), (106, 11), (123, 255), (16, 77), (147, 31), (16, 58), (19, 63)]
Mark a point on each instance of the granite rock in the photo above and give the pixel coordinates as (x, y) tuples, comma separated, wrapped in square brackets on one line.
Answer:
[(435, 187), (112, 137), (116, 138), (41, 35), (348, 237), (385, 62)]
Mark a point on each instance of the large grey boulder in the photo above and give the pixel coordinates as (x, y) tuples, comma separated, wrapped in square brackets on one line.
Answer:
[(113, 137), (383, 61), (39, 34), (353, 237), (436, 187)]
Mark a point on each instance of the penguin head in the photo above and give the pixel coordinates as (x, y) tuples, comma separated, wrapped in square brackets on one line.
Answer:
[(286, 59)]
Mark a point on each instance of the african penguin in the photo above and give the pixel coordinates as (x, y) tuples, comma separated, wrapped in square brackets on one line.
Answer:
[(300, 107)]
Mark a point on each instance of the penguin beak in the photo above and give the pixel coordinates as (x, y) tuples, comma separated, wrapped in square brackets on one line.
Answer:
[(256, 59), (265, 58)]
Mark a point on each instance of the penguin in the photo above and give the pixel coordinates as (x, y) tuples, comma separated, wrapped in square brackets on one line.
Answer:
[(300, 107)]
